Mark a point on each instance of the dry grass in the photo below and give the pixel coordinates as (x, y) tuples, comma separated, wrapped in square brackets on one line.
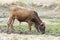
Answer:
[(4, 36)]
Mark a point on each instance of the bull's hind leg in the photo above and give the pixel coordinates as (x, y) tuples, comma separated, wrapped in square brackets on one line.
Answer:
[(12, 29), (10, 24)]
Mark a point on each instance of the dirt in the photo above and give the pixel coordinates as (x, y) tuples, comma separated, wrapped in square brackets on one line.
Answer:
[(4, 36)]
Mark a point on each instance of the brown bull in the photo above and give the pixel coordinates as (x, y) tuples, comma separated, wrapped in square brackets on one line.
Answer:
[(25, 15)]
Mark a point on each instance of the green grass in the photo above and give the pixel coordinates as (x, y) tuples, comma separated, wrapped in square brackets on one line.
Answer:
[(53, 29), (21, 27), (50, 28), (1, 21), (54, 20)]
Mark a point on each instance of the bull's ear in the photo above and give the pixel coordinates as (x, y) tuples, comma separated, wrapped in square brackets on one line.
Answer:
[(42, 24)]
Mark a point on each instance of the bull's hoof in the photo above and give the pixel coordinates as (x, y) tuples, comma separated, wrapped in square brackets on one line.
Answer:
[(43, 32), (21, 32), (8, 32)]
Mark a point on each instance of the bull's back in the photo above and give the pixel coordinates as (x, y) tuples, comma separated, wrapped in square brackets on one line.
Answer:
[(21, 13)]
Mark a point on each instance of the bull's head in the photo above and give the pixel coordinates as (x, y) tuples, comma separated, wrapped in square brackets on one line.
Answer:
[(42, 28)]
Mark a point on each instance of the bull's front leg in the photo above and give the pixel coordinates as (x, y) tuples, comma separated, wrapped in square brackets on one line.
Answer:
[(30, 24), (37, 28)]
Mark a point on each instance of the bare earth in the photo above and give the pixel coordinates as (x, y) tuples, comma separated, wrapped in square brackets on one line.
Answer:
[(4, 36)]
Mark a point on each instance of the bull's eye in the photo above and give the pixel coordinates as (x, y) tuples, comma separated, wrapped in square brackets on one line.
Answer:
[(41, 25)]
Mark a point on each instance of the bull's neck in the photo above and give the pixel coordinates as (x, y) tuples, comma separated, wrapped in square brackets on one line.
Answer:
[(38, 21)]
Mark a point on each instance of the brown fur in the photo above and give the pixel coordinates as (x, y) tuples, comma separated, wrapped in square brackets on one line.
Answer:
[(25, 15)]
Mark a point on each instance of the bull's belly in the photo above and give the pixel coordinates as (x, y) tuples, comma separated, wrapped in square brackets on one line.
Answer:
[(21, 19)]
